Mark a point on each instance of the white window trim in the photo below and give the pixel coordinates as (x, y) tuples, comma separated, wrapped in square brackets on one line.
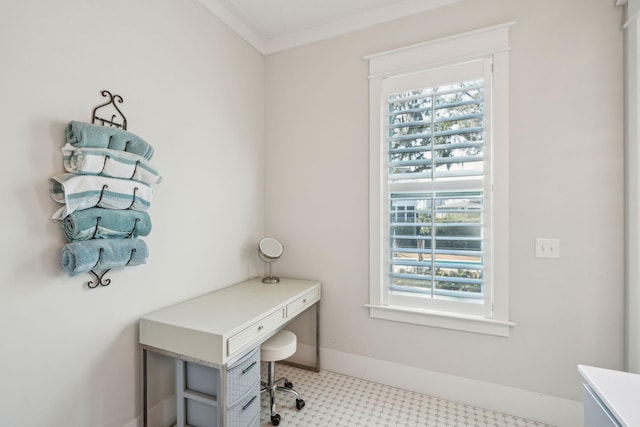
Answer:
[(492, 41)]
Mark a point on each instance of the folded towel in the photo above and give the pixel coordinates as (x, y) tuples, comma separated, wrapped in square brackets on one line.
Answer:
[(107, 162), (82, 134), (98, 223), (87, 191), (103, 254)]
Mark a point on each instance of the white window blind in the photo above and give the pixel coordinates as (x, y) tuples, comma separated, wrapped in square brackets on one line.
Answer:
[(435, 132)]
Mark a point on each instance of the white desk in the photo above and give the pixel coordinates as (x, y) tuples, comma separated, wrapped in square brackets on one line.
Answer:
[(611, 397), (220, 329)]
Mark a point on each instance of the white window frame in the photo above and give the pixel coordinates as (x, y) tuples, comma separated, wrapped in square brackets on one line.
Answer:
[(488, 43)]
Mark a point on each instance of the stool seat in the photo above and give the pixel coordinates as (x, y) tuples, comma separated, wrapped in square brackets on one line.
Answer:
[(280, 346)]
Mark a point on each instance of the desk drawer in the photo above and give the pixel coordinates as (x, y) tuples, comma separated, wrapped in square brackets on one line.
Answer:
[(254, 332), (244, 375), (302, 302), (243, 413)]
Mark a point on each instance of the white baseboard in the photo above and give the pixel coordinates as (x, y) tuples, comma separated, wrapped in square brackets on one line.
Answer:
[(162, 414), (557, 411), (305, 355)]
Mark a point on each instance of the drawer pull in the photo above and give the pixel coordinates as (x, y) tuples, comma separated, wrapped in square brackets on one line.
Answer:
[(249, 367), (260, 327), (304, 301), (249, 402)]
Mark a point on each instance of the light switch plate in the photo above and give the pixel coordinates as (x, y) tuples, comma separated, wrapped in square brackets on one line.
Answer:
[(548, 248)]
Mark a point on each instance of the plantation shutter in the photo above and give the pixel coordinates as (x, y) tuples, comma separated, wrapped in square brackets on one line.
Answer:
[(436, 164)]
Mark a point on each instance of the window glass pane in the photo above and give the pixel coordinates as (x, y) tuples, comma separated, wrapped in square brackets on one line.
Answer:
[(436, 244), (410, 131), (436, 133), (459, 242), (411, 255)]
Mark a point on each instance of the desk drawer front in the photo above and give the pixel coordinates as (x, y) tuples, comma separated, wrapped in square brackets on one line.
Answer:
[(199, 378), (256, 421), (243, 413), (200, 414), (254, 332), (243, 376), (302, 302)]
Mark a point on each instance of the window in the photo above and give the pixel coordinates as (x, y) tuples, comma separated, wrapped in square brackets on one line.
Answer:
[(438, 213)]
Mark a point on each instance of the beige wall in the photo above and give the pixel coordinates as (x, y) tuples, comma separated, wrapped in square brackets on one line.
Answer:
[(566, 181), (194, 90)]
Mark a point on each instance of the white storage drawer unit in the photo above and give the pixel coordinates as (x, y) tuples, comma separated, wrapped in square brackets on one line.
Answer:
[(245, 410), (199, 387), (243, 375)]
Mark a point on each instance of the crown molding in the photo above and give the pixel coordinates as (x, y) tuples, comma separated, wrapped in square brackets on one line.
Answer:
[(233, 18), (352, 23), (235, 21)]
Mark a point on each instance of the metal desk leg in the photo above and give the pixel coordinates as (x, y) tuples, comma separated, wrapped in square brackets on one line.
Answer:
[(144, 387), (181, 383), (317, 336)]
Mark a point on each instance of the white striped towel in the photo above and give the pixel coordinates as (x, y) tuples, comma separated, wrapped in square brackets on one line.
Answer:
[(88, 191), (107, 162)]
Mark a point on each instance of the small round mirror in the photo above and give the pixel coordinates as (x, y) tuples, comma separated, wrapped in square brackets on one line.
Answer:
[(269, 250)]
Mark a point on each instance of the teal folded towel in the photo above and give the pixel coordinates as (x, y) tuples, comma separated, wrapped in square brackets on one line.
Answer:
[(98, 223), (80, 134), (103, 254)]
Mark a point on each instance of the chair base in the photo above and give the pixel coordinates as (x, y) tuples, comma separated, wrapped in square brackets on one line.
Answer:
[(271, 386)]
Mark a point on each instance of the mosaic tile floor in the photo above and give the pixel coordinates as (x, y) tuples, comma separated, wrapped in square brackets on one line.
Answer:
[(337, 400)]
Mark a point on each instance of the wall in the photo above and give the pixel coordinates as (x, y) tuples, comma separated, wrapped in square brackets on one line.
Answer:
[(194, 90), (197, 92), (632, 163), (566, 181)]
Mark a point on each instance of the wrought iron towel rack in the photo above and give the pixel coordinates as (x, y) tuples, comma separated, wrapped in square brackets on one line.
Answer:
[(120, 121)]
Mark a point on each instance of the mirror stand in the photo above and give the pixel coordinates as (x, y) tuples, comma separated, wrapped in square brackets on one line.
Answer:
[(270, 278), (269, 250)]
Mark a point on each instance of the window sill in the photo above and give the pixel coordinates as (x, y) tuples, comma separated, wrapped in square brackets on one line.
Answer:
[(458, 322)]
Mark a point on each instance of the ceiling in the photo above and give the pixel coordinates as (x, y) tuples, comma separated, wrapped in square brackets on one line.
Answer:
[(275, 25)]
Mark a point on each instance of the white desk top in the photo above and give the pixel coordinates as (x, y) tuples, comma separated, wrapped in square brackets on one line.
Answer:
[(203, 328), (620, 391)]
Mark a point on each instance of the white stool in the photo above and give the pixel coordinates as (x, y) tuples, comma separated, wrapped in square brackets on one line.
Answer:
[(280, 346)]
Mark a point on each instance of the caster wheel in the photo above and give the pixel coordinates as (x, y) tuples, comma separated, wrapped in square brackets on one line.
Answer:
[(288, 384), (299, 404), (275, 419)]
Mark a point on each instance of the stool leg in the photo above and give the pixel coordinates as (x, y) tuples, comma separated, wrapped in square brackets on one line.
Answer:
[(271, 386), (289, 390)]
